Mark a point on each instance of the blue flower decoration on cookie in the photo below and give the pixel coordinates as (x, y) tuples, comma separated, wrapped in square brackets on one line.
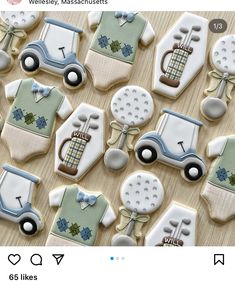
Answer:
[(85, 233), (18, 114), (41, 123), (222, 174), (103, 41), (62, 224), (127, 50)]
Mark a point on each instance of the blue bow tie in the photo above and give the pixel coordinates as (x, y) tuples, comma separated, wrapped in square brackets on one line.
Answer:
[(45, 91), (129, 17), (82, 197)]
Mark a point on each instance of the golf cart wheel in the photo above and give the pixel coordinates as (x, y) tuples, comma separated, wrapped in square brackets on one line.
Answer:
[(193, 171), (147, 154), (28, 226), (73, 77), (29, 62)]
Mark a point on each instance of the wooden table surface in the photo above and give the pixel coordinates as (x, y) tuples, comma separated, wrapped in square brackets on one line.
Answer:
[(99, 178)]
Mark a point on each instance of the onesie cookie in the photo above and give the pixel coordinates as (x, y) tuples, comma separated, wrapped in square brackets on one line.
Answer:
[(132, 107), (141, 194), (222, 79), (13, 28), (55, 52), (16, 196), (174, 143), (30, 122), (180, 55), (79, 215), (175, 228), (111, 56), (80, 142), (219, 190)]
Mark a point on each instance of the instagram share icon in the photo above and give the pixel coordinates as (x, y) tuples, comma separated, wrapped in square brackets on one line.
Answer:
[(14, 2)]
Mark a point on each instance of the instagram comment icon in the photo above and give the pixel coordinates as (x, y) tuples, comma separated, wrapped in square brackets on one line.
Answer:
[(14, 2)]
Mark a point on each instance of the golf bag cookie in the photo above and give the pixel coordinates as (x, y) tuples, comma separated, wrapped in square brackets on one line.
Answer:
[(55, 52), (141, 194), (16, 196), (174, 143), (175, 228), (79, 215), (219, 190), (29, 126), (13, 28), (222, 79), (80, 142), (132, 107), (180, 55), (111, 56)]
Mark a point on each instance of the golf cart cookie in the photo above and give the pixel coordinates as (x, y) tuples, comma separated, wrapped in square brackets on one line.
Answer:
[(55, 52), (132, 107), (29, 126), (79, 215), (219, 190), (175, 228), (16, 196), (174, 143), (222, 79), (13, 28), (180, 55), (111, 56), (141, 194), (80, 142)]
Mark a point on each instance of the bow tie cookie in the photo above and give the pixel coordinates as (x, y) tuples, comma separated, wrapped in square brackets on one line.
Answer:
[(176, 227), (132, 107), (13, 30), (141, 194), (79, 215), (180, 55), (16, 193), (222, 79), (111, 56), (55, 52), (174, 143), (28, 128), (80, 142)]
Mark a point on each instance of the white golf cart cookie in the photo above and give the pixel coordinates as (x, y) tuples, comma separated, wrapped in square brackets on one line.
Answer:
[(176, 227), (180, 55), (112, 53), (16, 196), (174, 143), (222, 78), (29, 126), (80, 142), (13, 28), (79, 216), (141, 194), (132, 107), (219, 190), (55, 52)]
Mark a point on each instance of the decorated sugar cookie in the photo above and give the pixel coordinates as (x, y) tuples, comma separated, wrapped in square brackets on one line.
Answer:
[(111, 56), (176, 227), (222, 78), (80, 142), (55, 52), (79, 215), (141, 194), (174, 143), (132, 107), (13, 28), (29, 126), (16, 194), (219, 190), (180, 55)]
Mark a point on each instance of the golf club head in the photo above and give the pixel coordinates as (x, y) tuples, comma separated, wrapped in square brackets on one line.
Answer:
[(82, 117), (178, 37), (93, 126), (196, 28), (185, 231), (195, 38), (76, 124), (174, 223), (186, 221), (184, 30), (167, 229), (94, 116)]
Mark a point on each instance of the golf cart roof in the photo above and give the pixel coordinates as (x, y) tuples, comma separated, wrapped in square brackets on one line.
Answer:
[(186, 118), (63, 25)]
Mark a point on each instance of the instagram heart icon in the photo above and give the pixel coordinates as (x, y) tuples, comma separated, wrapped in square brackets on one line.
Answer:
[(14, 258)]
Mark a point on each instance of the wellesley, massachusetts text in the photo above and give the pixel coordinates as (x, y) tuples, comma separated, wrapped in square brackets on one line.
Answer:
[(68, 2)]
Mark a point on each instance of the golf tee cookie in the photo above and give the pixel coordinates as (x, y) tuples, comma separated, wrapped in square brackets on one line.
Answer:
[(112, 53), (80, 142), (180, 55), (132, 107), (222, 78), (141, 194)]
